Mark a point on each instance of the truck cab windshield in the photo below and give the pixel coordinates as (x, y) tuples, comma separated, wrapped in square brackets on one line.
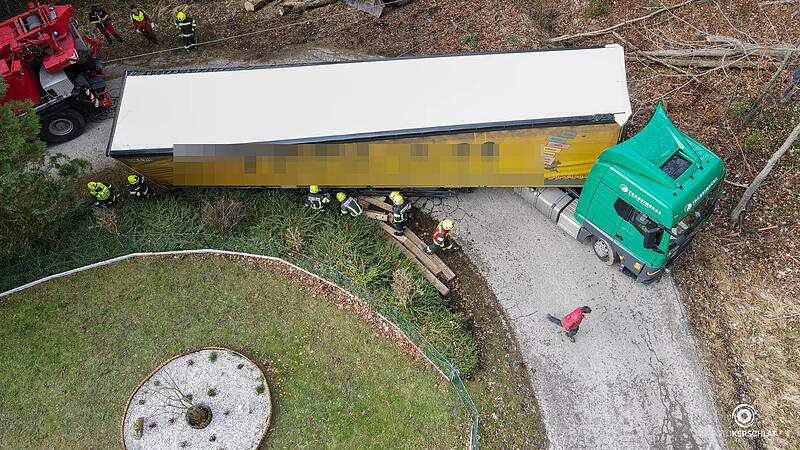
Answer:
[(694, 217)]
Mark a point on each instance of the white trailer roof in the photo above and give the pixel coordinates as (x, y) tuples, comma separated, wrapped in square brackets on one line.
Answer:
[(390, 97)]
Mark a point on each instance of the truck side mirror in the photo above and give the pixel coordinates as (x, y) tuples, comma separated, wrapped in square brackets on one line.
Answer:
[(651, 238)]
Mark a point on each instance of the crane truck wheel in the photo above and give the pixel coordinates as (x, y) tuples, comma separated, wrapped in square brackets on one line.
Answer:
[(62, 126), (603, 250)]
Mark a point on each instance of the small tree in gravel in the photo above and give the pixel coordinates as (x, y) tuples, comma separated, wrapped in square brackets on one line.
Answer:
[(175, 401)]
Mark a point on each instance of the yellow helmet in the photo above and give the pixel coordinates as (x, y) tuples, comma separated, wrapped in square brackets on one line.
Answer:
[(92, 185), (396, 197), (448, 224), (313, 189), (133, 179), (340, 196), (181, 15)]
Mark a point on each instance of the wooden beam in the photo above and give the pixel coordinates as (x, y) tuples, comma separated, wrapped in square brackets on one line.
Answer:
[(419, 254), (376, 215), (377, 202), (444, 290), (444, 270), (254, 5)]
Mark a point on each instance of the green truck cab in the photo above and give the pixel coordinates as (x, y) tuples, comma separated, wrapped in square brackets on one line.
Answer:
[(645, 198)]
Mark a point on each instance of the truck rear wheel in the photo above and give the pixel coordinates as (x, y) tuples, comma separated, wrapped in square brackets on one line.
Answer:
[(603, 250), (62, 126)]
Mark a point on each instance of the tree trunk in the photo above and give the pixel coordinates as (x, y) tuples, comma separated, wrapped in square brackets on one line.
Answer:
[(285, 7), (748, 194), (254, 5)]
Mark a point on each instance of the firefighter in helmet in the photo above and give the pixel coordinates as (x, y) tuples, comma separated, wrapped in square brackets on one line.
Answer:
[(103, 193), (440, 239), (315, 199), (186, 30), (137, 186), (401, 211), (348, 204)]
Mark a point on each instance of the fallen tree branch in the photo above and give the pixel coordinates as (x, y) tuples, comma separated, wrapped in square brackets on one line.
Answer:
[(777, 2), (776, 52), (733, 183), (254, 5), (300, 6), (772, 80), (748, 194), (621, 24), (696, 62), (675, 68)]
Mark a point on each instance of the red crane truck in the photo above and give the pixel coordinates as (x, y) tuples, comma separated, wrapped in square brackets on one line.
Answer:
[(44, 59)]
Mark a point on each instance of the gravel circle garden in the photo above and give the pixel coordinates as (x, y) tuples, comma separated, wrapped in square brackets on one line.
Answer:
[(166, 410)]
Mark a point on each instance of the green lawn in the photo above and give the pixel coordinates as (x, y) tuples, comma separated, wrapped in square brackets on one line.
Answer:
[(75, 348)]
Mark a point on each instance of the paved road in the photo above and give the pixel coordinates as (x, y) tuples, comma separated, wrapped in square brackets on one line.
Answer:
[(633, 379)]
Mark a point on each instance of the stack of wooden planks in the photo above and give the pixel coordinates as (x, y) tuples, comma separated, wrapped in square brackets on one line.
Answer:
[(431, 266)]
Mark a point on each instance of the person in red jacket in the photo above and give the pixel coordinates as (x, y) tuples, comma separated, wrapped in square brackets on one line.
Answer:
[(440, 239), (571, 321), (143, 24)]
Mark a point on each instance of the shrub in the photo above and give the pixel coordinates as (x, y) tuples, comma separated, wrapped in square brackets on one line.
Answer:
[(223, 215), (741, 108), (596, 8), (405, 287), (449, 334), (754, 141), (470, 39), (106, 219)]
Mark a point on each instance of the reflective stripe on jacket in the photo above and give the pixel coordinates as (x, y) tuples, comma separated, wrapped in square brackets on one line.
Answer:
[(439, 236), (351, 206), (402, 212), (101, 192), (140, 19), (186, 26), (315, 201)]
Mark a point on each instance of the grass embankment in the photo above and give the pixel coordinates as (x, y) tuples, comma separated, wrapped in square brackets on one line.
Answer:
[(75, 348), (499, 384), (354, 246)]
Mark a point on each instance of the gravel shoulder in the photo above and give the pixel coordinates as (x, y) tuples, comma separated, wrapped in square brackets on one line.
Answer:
[(634, 378)]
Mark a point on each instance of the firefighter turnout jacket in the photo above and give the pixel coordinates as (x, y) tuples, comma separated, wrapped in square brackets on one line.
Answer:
[(101, 191), (402, 212), (440, 238), (316, 200), (137, 186), (186, 26), (351, 206)]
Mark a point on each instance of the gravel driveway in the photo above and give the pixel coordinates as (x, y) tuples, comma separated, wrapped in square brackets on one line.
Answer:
[(633, 379)]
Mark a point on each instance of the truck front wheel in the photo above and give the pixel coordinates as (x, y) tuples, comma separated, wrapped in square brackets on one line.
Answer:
[(603, 250), (62, 126)]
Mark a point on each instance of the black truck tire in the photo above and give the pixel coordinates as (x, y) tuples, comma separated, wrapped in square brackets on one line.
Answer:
[(603, 250), (62, 126)]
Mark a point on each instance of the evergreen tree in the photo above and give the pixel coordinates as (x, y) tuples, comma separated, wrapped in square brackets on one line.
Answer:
[(33, 183)]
